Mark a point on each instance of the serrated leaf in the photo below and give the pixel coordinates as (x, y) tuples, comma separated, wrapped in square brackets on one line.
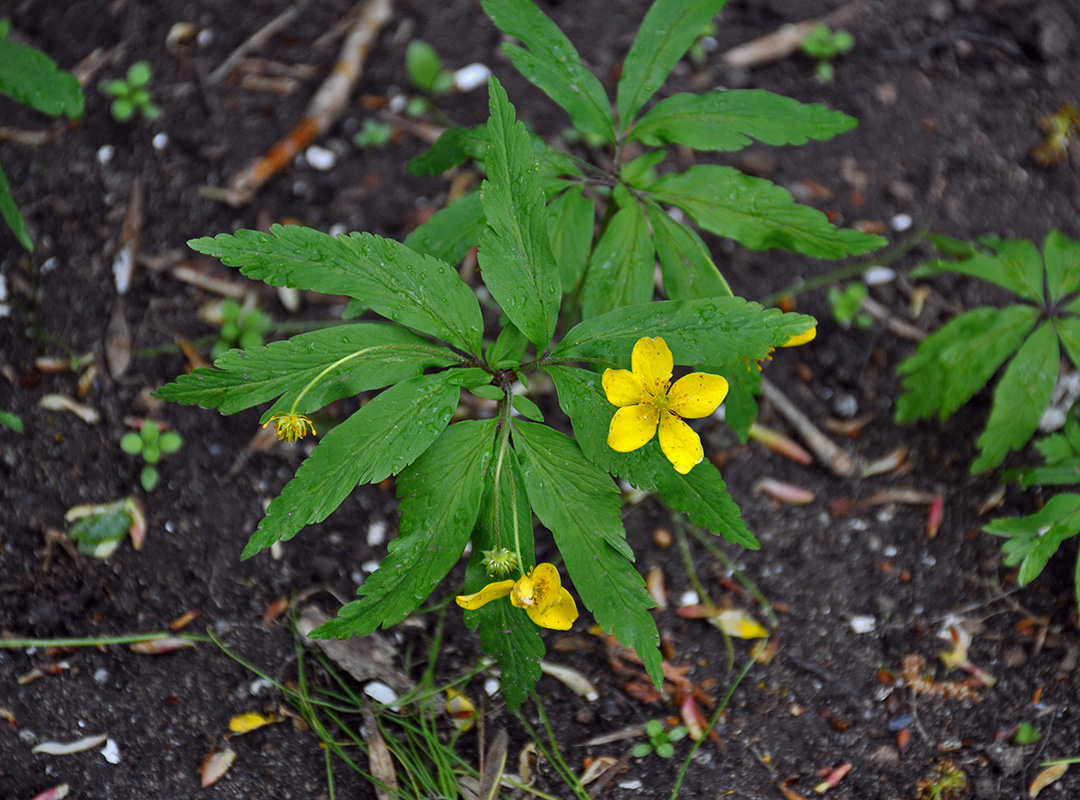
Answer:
[(380, 439), (1013, 264), (440, 496), (952, 364), (550, 62), (622, 266), (571, 218), (715, 330), (731, 120), (408, 288), (666, 33), (1062, 258), (12, 216), (700, 494), (515, 255), (449, 233), (686, 264), (1020, 398), (95, 529), (1035, 538), (1068, 331), (455, 146), (31, 77), (580, 506), (506, 633), (356, 358), (757, 213)]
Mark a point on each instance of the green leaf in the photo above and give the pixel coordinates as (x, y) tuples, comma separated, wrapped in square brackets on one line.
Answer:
[(489, 392), (686, 264), (11, 421), (10, 212), (1062, 256), (580, 505), (515, 255), (149, 478), (506, 633), (346, 360), (379, 440), (714, 330), (571, 218), (454, 147), (732, 120), (1013, 264), (700, 494), (131, 443), (1035, 538), (139, 74), (740, 406), (396, 282), (622, 266), (641, 172), (1068, 330), (1020, 398), (527, 408), (423, 64), (549, 61), (955, 362), (170, 442), (666, 33), (757, 213), (31, 77), (508, 347), (449, 233), (440, 498), (95, 529)]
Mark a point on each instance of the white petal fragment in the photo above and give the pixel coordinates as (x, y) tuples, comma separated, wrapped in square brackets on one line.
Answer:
[(60, 749)]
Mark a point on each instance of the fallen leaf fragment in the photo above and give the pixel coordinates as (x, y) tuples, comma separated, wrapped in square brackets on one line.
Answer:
[(60, 402), (494, 766), (275, 610), (780, 443), (784, 492), (380, 761), (250, 721), (572, 679), (184, 619), (654, 582), (832, 779), (59, 749), (957, 658), (887, 463), (157, 647), (8, 714), (55, 793), (736, 622), (216, 765), (692, 718), (934, 515), (595, 767), (1046, 777)]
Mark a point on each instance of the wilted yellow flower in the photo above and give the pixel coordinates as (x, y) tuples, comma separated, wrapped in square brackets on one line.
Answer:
[(801, 338), (290, 427), (646, 399), (539, 591)]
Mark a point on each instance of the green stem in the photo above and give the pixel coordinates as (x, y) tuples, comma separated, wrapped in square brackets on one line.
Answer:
[(96, 641)]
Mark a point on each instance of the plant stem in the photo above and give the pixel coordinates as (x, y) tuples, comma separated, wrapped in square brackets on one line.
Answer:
[(95, 641)]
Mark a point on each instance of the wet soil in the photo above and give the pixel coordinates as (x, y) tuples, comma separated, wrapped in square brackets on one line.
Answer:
[(948, 95)]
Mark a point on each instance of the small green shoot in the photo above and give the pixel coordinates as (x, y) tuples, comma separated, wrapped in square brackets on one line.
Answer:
[(98, 529), (426, 70), (953, 364), (242, 326), (660, 739), (945, 782), (373, 135), (30, 77), (823, 45), (151, 441), (12, 421), (131, 95), (1026, 733), (846, 305)]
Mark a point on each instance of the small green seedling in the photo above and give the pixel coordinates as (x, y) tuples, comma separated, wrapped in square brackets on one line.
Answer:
[(1026, 733), (426, 70), (823, 45), (29, 76), (98, 529), (10, 420), (946, 782), (373, 135), (241, 326), (131, 95), (847, 305), (660, 739), (151, 441)]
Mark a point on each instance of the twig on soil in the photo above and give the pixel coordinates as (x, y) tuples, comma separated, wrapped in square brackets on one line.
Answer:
[(876, 310), (325, 107), (257, 39), (784, 41), (839, 462)]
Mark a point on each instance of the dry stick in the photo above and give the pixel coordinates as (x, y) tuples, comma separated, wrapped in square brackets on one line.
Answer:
[(321, 113), (893, 323), (257, 39), (784, 41), (839, 462)]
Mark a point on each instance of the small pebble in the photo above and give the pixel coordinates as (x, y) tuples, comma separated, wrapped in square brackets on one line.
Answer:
[(160, 141), (320, 158), (491, 686), (381, 693), (101, 675), (471, 77), (901, 222), (875, 276), (376, 534), (863, 624), (204, 37), (370, 566), (105, 154), (111, 752), (689, 598), (260, 686), (634, 784)]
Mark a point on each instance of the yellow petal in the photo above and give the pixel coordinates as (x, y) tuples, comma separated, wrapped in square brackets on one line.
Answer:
[(739, 624), (697, 395), (632, 427), (652, 362), (249, 721), (801, 338), (680, 443), (622, 387), (558, 615), (493, 591)]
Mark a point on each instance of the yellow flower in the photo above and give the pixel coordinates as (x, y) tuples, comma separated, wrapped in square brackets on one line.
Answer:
[(539, 592), (646, 398), (290, 427), (801, 338)]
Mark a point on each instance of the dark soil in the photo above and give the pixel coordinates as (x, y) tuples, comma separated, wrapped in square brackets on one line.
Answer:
[(948, 95)]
